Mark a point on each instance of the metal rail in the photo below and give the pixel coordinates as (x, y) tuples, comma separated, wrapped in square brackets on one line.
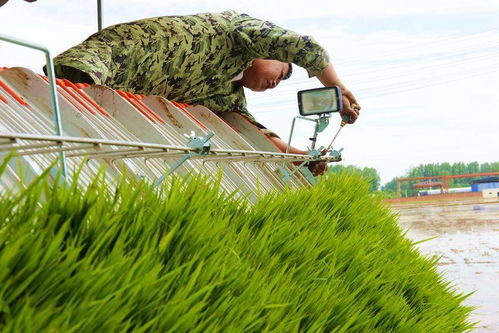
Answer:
[(53, 93), (96, 148)]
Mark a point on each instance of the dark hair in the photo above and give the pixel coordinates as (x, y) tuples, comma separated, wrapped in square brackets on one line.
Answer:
[(290, 71)]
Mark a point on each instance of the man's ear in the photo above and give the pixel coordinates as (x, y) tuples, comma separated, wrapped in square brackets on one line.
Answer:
[(290, 71)]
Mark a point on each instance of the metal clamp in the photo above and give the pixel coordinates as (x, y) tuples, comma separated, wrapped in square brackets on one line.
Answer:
[(200, 146), (315, 155), (335, 153)]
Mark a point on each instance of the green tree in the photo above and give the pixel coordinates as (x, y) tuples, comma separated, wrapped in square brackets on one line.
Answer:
[(445, 169), (473, 167), (440, 169), (486, 167), (390, 186), (370, 174)]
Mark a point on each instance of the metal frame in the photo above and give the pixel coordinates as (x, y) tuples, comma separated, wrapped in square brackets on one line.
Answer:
[(53, 93), (96, 148), (320, 124)]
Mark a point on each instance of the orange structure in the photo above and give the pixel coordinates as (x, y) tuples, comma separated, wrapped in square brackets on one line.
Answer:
[(430, 184), (444, 179)]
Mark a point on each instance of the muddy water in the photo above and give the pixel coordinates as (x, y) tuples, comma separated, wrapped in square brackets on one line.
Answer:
[(466, 232)]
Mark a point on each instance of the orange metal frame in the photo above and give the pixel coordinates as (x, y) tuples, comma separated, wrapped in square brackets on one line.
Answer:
[(445, 179)]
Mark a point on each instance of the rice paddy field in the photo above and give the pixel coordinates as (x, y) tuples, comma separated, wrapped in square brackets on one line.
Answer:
[(466, 237), (189, 257)]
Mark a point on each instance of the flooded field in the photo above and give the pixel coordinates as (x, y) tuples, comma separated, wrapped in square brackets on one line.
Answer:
[(466, 237)]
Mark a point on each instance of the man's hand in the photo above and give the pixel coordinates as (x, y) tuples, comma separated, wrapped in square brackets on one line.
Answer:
[(350, 106), (317, 168)]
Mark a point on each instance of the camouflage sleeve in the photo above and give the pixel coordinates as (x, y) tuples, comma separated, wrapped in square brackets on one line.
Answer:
[(90, 57), (264, 39)]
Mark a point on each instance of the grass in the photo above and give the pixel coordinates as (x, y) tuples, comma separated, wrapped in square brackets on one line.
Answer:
[(190, 258)]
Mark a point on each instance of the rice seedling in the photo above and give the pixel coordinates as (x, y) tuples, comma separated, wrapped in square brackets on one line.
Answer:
[(192, 258)]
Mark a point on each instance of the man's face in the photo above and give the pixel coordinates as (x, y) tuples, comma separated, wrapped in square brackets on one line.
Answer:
[(264, 74)]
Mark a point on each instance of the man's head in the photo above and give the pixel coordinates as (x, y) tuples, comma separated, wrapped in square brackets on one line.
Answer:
[(265, 74), (3, 2)]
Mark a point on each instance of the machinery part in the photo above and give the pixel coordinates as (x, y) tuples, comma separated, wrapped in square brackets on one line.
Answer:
[(201, 146)]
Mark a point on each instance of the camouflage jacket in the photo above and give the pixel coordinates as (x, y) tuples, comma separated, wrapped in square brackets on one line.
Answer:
[(189, 59)]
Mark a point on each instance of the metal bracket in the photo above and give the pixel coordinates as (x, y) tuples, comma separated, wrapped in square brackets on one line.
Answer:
[(322, 123), (336, 153), (200, 145), (306, 172), (315, 155), (287, 175)]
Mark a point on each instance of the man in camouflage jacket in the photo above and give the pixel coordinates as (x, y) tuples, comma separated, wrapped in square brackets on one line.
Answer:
[(201, 59)]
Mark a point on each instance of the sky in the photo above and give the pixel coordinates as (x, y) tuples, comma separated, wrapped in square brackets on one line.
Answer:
[(426, 74)]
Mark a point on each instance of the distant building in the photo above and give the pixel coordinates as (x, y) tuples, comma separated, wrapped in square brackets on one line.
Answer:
[(450, 191), (429, 184), (484, 184), (491, 193)]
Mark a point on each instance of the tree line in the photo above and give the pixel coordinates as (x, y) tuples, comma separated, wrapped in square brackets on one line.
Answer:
[(422, 170), (370, 174)]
